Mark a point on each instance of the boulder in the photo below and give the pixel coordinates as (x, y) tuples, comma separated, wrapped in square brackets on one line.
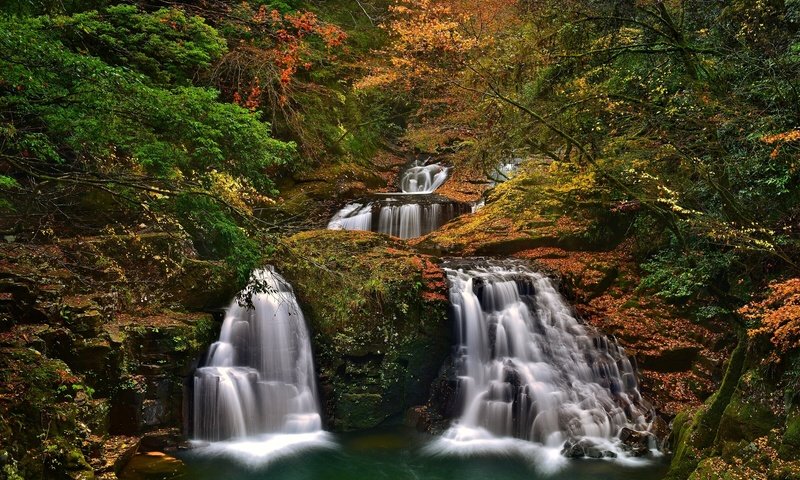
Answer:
[(635, 442), (377, 311), (584, 448)]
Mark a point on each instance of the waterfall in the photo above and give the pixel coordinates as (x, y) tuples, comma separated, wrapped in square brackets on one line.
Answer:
[(400, 216), (257, 390), (414, 212), (354, 216), (421, 178), (529, 370)]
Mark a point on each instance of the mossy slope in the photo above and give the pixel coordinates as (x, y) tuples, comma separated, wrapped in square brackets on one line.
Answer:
[(378, 315)]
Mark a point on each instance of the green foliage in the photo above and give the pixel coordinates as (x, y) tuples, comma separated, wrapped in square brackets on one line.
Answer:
[(88, 111), (681, 276), (104, 100), (217, 235), (687, 110), (166, 45)]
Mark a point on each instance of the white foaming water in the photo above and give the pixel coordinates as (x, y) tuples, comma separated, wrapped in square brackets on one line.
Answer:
[(257, 395), (421, 178), (530, 371), (413, 215), (354, 216), (505, 170), (399, 219)]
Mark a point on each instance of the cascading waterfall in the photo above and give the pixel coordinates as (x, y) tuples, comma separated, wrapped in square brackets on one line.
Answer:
[(528, 369), (257, 391), (413, 213), (354, 216), (397, 217), (421, 178)]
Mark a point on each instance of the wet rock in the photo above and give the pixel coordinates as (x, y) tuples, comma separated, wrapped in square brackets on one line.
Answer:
[(86, 323), (636, 443), (117, 451), (154, 413), (161, 440), (661, 430), (93, 356), (583, 448), (154, 465), (444, 400), (126, 409)]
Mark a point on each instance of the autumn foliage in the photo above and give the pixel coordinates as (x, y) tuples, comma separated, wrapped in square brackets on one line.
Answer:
[(272, 49), (778, 315), (434, 38)]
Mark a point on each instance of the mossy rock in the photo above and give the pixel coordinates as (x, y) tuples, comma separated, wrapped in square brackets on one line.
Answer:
[(360, 410), (378, 315), (306, 193), (694, 435), (527, 212), (41, 419), (790, 444), (744, 419), (159, 353)]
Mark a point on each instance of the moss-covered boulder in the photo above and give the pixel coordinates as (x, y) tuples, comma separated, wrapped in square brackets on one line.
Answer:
[(748, 428), (378, 315), (530, 211)]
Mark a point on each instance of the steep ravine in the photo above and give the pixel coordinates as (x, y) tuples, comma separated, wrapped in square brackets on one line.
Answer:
[(102, 333)]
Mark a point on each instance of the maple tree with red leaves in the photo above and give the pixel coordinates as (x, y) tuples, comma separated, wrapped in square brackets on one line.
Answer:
[(269, 57)]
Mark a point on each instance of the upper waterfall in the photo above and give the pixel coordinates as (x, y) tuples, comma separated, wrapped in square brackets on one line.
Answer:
[(529, 369), (399, 216), (422, 178), (414, 212)]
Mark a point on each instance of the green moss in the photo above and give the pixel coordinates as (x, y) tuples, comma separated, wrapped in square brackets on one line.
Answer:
[(41, 419), (360, 410), (695, 436), (377, 312), (790, 443), (743, 419)]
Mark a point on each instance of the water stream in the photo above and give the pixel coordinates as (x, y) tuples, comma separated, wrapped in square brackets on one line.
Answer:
[(414, 212), (529, 370), (256, 395), (389, 453), (422, 178)]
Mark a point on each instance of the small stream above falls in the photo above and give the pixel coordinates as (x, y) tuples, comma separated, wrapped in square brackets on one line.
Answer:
[(411, 213), (422, 177)]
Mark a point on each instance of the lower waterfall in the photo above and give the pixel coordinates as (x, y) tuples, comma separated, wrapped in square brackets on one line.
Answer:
[(529, 370), (257, 394)]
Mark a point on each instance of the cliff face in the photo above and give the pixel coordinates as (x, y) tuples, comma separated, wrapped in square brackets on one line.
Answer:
[(98, 337), (378, 315)]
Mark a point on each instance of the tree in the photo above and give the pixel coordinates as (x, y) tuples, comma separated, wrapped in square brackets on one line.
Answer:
[(128, 124)]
